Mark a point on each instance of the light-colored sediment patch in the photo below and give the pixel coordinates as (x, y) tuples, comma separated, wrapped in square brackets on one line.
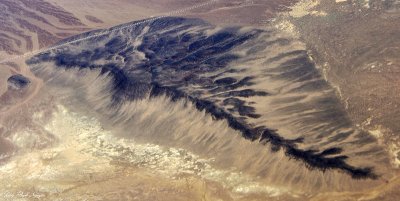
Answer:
[(301, 9), (288, 27), (366, 4), (395, 150), (95, 157), (376, 133), (306, 7), (392, 146)]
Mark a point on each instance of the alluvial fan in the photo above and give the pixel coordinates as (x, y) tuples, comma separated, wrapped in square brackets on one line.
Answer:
[(252, 99)]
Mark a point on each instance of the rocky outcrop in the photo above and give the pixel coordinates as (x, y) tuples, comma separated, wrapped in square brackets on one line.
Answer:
[(18, 82)]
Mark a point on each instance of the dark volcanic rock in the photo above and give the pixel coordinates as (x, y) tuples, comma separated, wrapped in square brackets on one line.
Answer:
[(191, 60), (18, 82)]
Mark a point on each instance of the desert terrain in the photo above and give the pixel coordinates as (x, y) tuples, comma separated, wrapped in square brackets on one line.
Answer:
[(226, 100)]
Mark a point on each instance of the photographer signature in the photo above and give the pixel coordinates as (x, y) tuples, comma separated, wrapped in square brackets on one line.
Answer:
[(21, 194)]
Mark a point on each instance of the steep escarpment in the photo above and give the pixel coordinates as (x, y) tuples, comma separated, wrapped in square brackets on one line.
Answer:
[(262, 83)]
